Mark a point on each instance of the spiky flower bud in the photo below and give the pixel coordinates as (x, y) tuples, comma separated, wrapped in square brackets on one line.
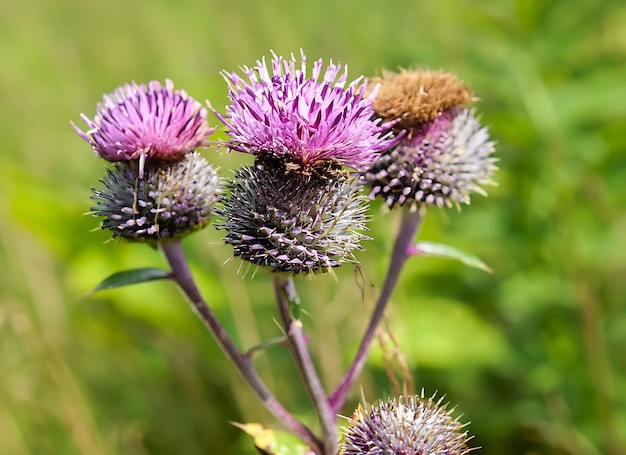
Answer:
[(137, 122), (443, 162), (172, 200), (444, 155), (408, 425), (278, 217)]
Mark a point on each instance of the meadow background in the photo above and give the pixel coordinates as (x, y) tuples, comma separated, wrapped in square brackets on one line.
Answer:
[(534, 355)]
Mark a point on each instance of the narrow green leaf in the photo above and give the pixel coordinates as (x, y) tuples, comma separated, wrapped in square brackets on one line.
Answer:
[(294, 306), (293, 299), (134, 276), (449, 252), (270, 442), (269, 343)]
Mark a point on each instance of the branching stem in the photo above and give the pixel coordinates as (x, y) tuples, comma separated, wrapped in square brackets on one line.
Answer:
[(285, 291), (173, 252)]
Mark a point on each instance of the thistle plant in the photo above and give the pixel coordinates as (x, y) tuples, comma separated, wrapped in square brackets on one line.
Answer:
[(323, 148)]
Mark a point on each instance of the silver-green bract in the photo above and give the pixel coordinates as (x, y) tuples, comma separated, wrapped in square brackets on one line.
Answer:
[(172, 199), (438, 163), (409, 425), (279, 216)]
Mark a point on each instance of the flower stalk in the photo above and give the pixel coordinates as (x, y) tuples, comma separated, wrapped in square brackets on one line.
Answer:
[(172, 250), (284, 289), (409, 225)]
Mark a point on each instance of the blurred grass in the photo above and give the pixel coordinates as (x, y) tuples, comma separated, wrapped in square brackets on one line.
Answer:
[(533, 355)]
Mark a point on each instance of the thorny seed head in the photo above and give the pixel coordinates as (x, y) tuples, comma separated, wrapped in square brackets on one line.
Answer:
[(442, 164), (443, 153)]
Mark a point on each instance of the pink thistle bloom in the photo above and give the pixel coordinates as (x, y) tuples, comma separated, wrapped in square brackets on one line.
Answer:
[(280, 111), (146, 121)]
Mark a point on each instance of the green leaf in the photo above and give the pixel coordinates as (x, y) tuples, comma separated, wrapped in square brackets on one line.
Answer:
[(134, 276), (269, 343), (294, 306), (270, 442), (292, 298), (446, 251)]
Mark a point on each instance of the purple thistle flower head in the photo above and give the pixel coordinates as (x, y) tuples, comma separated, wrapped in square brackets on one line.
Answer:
[(279, 110), (146, 121)]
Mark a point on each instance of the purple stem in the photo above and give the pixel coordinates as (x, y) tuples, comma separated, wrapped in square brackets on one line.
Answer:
[(409, 226), (173, 252), (285, 291)]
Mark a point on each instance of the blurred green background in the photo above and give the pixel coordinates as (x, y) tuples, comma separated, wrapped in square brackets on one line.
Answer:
[(534, 355)]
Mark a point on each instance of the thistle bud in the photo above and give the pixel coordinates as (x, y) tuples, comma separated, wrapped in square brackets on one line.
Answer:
[(408, 425), (444, 154), (172, 199), (289, 221)]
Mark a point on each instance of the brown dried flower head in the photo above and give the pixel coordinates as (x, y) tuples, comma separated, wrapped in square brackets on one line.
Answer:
[(412, 97)]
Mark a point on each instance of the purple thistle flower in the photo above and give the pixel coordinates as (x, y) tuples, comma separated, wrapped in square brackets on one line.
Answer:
[(146, 121), (280, 111)]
